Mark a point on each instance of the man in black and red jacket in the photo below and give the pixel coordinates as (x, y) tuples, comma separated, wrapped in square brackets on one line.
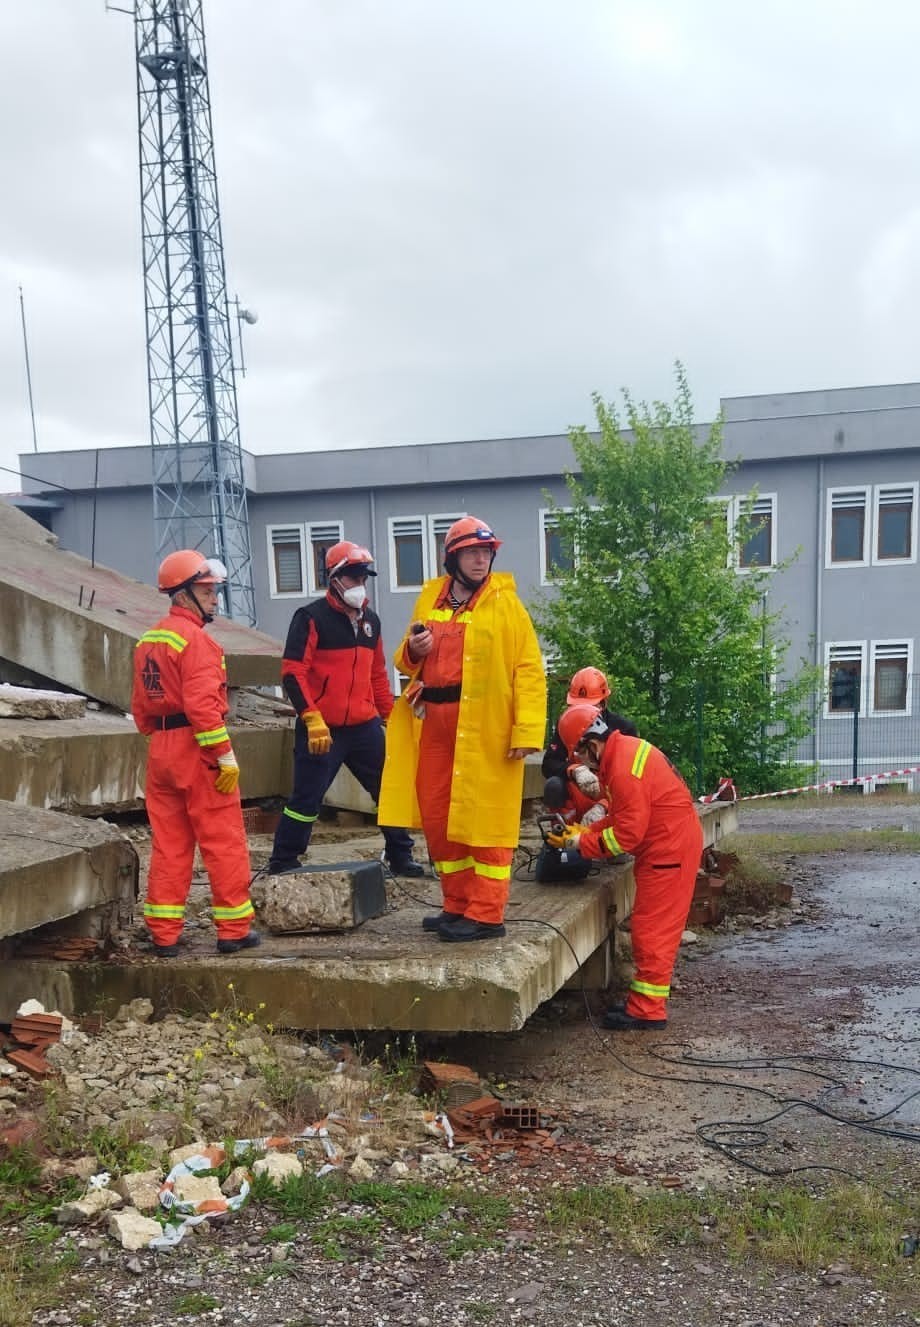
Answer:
[(335, 675)]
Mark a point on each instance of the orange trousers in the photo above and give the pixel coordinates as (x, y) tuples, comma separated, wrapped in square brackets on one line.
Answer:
[(185, 808), (475, 881), (664, 891)]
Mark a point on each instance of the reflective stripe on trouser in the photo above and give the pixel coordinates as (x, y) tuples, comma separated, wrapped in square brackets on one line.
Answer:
[(664, 891), (474, 880), (360, 748), (184, 807)]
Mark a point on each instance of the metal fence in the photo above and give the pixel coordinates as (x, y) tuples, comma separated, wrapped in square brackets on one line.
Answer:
[(851, 731)]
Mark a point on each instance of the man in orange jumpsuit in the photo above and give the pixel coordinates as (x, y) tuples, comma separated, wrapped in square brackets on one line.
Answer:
[(457, 738), (179, 700), (652, 816)]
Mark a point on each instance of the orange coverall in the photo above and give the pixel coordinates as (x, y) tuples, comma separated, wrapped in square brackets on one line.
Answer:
[(653, 817), (179, 699), (475, 881)]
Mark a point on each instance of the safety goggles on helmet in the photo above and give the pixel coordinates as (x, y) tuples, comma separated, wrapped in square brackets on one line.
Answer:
[(185, 567), (350, 559)]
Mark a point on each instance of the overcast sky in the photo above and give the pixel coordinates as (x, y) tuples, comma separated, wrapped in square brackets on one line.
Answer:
[(458, 218)]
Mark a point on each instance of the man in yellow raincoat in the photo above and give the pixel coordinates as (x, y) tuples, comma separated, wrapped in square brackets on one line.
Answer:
[(475, 706)]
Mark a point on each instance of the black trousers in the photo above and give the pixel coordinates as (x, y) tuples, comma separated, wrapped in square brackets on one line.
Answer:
[(361, 749)]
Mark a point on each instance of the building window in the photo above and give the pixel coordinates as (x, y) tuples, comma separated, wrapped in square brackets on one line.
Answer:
[(891, 671), (847, 531), (416, 546), (845, 667), (285, 560), (320, 539), (556, 551), (757, 549), (895, 523)]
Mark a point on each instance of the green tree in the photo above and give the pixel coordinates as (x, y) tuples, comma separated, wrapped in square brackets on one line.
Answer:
[(649, 593)]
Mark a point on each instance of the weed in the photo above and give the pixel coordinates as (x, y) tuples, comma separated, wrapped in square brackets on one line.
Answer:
[(479, 1311), (298, 1197), (117, 1151), (340, 1237), (283, 1234), (196, 1301), (270, 1273), (405, 1206)]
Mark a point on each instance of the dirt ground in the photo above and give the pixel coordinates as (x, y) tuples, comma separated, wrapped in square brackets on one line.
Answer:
[(792, 1047)]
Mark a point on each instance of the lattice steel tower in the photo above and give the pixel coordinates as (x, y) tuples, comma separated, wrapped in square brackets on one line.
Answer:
[(199, 490)]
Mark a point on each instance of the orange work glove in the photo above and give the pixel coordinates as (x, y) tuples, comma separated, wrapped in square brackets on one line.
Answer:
[(319, 738), (228, 773)]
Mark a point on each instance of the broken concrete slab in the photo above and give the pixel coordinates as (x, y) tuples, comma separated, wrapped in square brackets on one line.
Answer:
[(31, 703), (55, 866), (319, 898), (75, 623)]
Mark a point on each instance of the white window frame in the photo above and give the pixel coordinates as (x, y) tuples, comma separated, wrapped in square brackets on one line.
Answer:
[(736, 507), (907, 646), (311, 530), (849, 490), (859, 650), (428, 531), (879, 491), (274, 592), (547, 520)]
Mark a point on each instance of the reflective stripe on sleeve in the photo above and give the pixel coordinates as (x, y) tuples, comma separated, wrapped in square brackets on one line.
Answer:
[(212, 737), (611, 842), (640, 758), (170, 638)]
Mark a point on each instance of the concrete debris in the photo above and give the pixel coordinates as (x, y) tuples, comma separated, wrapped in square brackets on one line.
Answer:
[(81, 1211), (133, 1230), (28, 703), (320, 899), (141, 1189), (277, 1166)]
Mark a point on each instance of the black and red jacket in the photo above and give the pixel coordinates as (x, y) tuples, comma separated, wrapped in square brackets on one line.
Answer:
[(330, 666)]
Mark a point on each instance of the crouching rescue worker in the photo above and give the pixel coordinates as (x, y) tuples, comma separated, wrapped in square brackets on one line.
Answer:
[(179, 700), (335, 675), (571, 788), (652, 816), (475, 706)]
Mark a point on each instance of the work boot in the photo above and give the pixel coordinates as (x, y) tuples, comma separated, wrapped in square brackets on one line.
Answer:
[(435, 923), (407, 868), (468, 929), (250, 941), (617, 1020), (166, 951), (274, 867)]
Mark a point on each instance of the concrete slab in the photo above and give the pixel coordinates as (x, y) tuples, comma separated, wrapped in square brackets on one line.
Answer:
[(54, 867), (63, 619), (387, 974)]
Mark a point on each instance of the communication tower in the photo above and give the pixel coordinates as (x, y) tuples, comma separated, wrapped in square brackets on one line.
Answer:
[(199, 488)]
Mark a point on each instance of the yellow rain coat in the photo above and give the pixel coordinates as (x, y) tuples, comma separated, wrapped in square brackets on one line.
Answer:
[(502, 706)]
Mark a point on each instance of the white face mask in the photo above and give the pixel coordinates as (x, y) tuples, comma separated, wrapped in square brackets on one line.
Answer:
[(354, 596)]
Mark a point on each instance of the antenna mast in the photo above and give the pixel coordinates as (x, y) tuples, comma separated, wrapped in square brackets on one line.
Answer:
[(199, 488)]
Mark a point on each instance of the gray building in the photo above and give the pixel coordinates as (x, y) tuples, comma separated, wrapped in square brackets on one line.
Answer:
[(836, 474)]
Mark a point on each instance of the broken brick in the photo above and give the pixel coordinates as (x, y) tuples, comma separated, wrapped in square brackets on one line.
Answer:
[(436, 1077), (32, 1063)]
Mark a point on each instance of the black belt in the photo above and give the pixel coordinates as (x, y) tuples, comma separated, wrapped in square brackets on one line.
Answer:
[(168, 721), (440, 695)]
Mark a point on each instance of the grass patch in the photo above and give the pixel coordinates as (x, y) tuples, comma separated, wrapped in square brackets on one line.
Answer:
[(789, 1226), (195, 1302), (772, 844)]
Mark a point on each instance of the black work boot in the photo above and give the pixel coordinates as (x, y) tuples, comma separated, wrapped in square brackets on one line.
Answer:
[(250, 941), (274, 867), (408, 868), (468, 929), (166, 951), (435, 923), (617, 1020)]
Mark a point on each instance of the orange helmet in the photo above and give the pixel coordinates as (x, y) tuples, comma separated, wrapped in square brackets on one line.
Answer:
[(468, 532), (588, 684), (346, 556), (186, 567), (578, 722)]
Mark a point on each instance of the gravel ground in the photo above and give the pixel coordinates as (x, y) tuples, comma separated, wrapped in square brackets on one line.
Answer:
[(835, 972)]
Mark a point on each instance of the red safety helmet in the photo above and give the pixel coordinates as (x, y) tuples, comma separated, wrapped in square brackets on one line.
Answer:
[(346, 556), (185, 567), (469, 532), (588, 684), (578, 722)]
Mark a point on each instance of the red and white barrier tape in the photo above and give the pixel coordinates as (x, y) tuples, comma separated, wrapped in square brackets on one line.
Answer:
[(808, 787)]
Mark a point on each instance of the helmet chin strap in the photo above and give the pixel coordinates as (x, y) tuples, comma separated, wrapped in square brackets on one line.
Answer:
[(205, 617), (458, 575)]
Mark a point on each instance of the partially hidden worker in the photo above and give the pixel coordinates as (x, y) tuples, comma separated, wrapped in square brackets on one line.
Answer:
[(572, 790), (474, 707), (179, 700), (652, 816), (335, 675)]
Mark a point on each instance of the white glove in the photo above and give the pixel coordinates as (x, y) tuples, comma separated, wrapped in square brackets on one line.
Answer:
[(594, 813), (586, 781)]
